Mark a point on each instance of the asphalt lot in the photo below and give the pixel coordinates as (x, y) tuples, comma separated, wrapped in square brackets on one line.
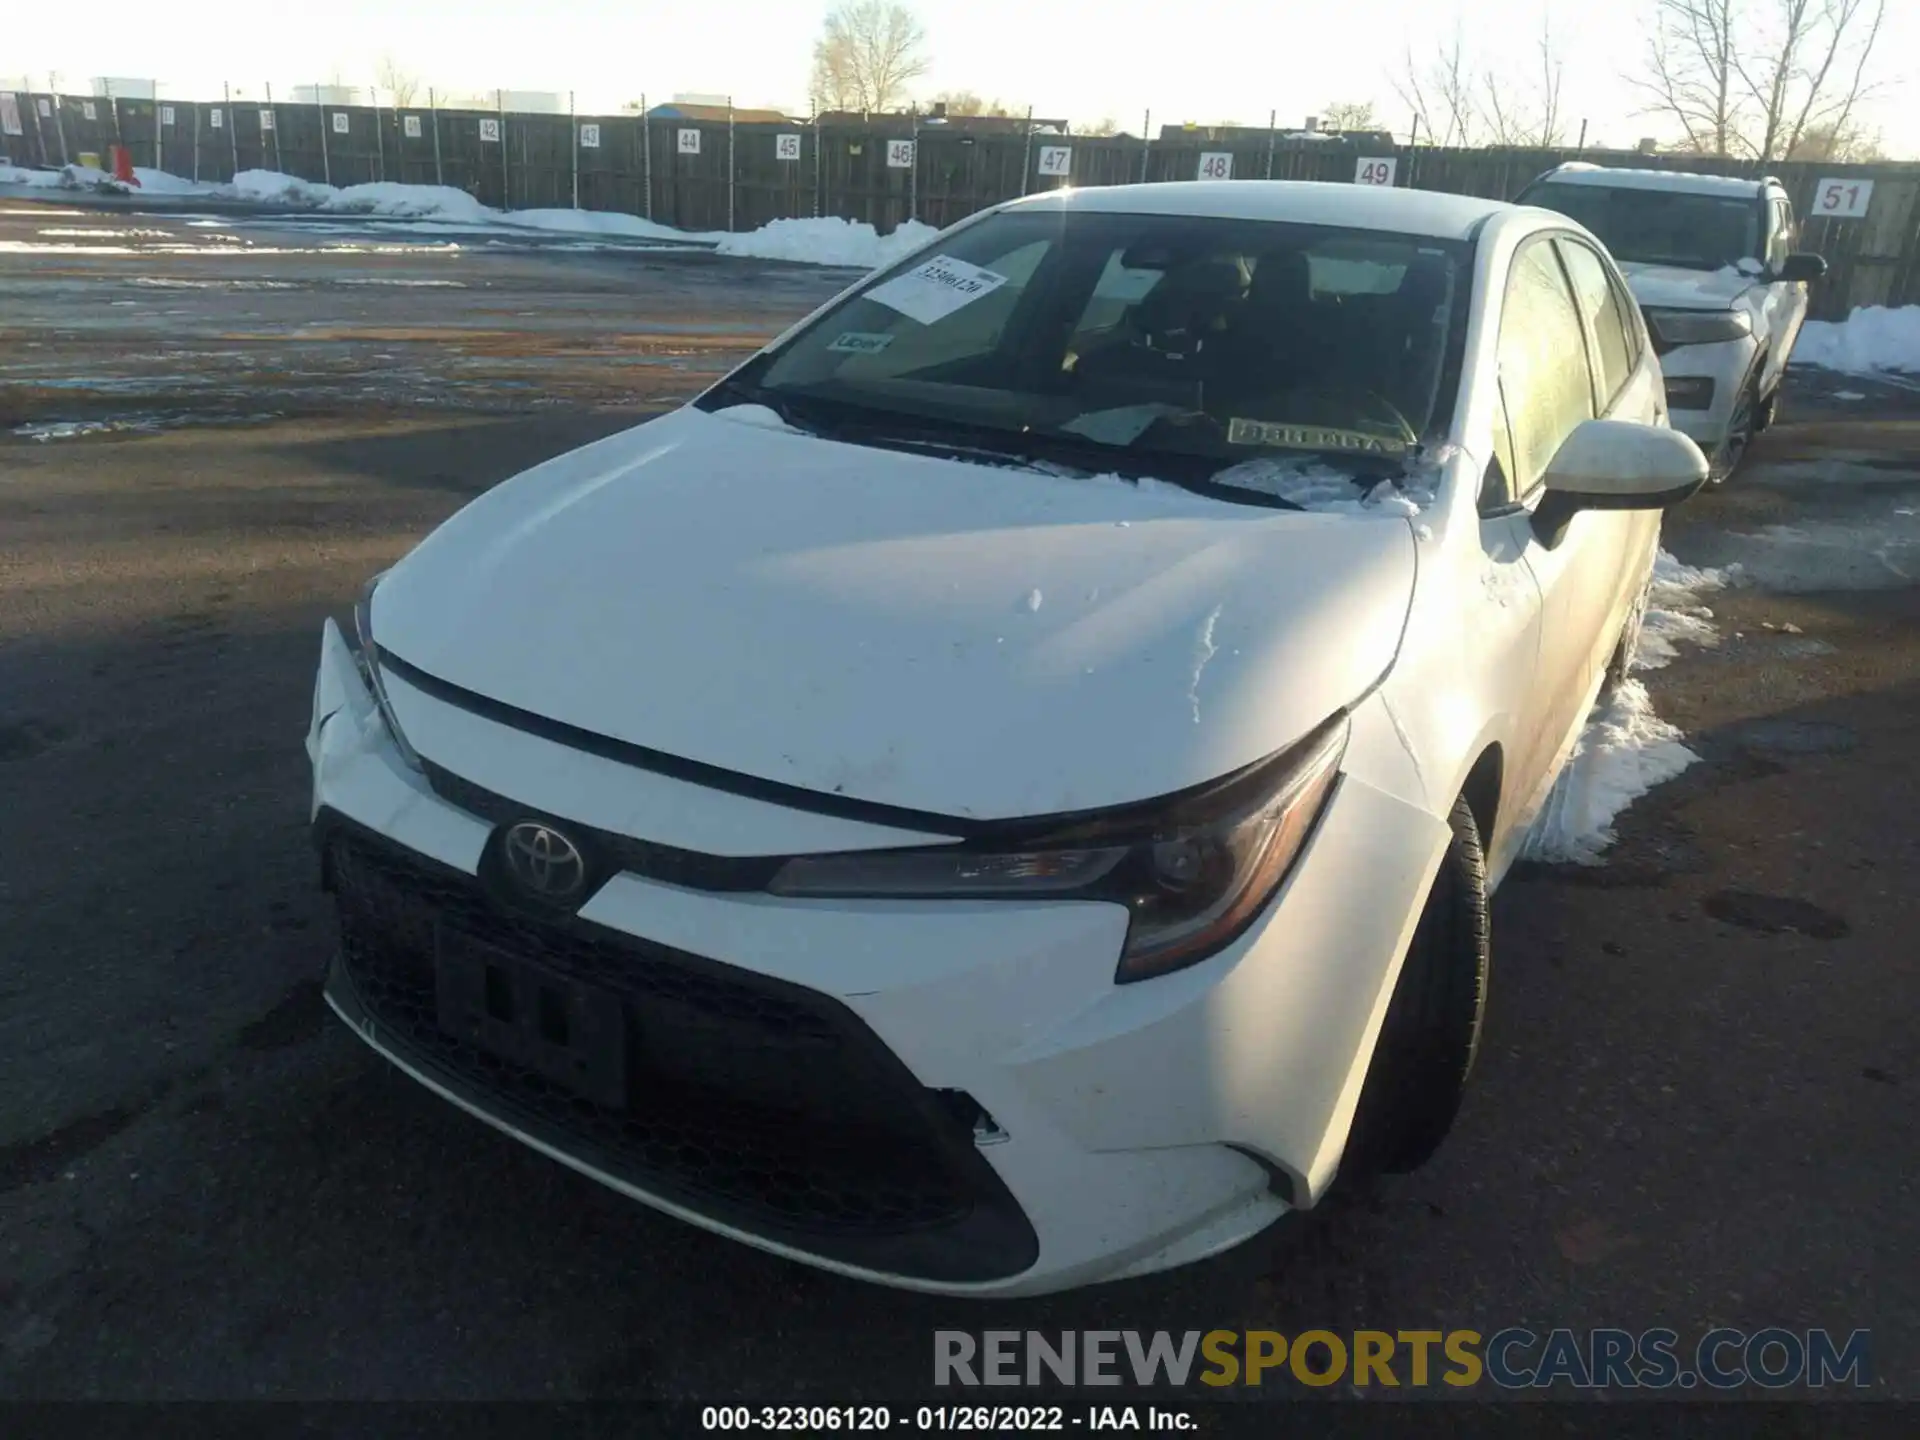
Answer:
[(1696, 1106)]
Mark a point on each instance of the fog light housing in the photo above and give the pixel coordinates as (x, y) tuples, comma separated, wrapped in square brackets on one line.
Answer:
[(1689, 392)]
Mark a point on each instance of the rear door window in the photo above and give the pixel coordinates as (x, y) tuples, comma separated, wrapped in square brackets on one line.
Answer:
[(1594, 294)]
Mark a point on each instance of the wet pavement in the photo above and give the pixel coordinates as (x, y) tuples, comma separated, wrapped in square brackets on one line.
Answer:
[(144, 321), (1695, 1104)]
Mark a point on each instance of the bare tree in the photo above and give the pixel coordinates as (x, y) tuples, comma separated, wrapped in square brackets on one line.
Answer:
[(1843, 144), (1106, 125), (1440, 94), (1750, 79), (867, 54), (1349, 115), (1520, 115), (401, 84), (965, 102)]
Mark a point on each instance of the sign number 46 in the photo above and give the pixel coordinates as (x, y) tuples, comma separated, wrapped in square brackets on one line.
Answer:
[(1843, 199)]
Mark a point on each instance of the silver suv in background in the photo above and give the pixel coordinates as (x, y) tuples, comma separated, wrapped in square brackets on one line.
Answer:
[(1712, 263)]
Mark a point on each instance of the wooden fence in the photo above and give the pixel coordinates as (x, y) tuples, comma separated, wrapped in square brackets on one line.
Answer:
[(719, 176)]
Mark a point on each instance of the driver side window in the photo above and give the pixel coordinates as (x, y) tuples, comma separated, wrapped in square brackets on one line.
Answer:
[(1544, 376)]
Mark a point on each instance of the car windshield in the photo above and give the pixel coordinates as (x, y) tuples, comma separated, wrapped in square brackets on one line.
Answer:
[(1659, 227), (1171, 345)]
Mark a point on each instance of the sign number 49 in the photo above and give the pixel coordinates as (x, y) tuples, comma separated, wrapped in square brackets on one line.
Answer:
[(1374, 172), (1843, 199)]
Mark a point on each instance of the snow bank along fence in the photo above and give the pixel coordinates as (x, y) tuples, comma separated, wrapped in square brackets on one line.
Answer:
[(724, 173)]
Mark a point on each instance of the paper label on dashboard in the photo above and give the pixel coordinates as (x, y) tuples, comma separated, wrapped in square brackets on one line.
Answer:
[(936, 289)]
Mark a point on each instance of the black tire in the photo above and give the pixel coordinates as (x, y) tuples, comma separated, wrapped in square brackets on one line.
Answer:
[(1742, 425), (1431, 1036)]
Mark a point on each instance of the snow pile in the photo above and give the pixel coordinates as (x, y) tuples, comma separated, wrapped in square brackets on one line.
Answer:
[(1313, 485), (589, 222), (159, 182), (847, 244), (394, 201), (827, 241), (1626, 749), (1623, 753), (68, 177), (1873, 337), (1674, 612), (270, 187)]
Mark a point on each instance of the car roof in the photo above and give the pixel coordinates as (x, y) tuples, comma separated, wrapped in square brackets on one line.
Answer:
[(1306, 202), (1686, 182)]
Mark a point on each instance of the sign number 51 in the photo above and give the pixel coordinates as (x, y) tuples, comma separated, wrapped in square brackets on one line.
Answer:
[(1843, 199)]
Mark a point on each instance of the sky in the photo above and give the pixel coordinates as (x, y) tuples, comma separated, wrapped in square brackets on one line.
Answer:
[(1200, 60)]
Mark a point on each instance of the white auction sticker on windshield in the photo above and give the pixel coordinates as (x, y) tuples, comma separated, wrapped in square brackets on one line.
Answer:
[(860, 342), (936, 289)]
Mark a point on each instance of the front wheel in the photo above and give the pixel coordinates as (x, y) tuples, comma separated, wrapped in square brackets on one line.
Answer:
[(1431, 1036), (1741, 426)]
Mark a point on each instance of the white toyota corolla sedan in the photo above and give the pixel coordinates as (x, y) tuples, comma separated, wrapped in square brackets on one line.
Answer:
[(1002, 791)]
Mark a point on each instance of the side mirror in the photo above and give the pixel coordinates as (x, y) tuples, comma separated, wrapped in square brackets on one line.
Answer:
[(1802, 266), (1616, 465)]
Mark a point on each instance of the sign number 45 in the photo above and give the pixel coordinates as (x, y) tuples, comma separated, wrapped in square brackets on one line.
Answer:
[(1843, 199)]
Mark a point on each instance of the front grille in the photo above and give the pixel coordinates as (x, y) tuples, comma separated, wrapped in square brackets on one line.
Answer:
[(767, 1106)]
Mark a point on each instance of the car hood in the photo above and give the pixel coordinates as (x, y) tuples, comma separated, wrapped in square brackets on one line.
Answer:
[(1655, 286), (960, 639)]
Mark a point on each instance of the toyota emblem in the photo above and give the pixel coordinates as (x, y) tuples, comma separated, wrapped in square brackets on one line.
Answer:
[(544, 862)]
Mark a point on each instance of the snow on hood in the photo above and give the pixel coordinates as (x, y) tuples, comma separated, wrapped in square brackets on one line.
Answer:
[(961, 639), (1657, 285)]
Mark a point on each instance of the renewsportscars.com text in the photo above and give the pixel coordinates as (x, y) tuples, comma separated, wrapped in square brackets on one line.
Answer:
[(1513, 1358)]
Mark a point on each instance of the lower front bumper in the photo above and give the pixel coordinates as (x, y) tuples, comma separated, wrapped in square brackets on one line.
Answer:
[(1134, 1127)]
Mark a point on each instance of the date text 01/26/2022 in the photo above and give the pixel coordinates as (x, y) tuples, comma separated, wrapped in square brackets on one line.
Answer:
[(979, 1419)]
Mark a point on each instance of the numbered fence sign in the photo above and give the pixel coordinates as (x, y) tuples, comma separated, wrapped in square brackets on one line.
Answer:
[(688, 142), (1216, 165), (589, 137), (786, 147), (87, 112), (266, 120), (214, 118), (1055, 160), (899, 154), (1375, 171), (490, 131), (339, 122), (166, 114), (46, 108), (410, 126), (1843, 199), (10, 114)]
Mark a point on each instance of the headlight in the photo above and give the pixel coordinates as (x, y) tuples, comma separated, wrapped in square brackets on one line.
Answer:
[(1699, 327), (1193, 871), (367, 656)]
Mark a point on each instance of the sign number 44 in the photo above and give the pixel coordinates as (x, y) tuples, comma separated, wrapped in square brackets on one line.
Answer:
[(1843, 199)]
